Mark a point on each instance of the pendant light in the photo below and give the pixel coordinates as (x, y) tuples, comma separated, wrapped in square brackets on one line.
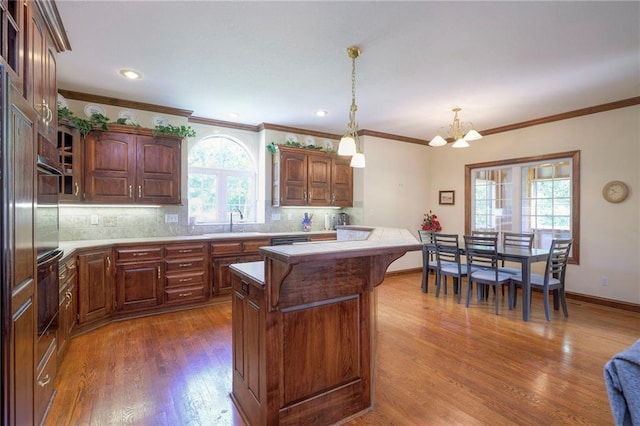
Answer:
[(460, 132), (350, 142)]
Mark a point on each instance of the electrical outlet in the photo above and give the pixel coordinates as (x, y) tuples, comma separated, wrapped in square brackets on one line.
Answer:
[(605, 281), (275, 216), (170, 218), (94, 219)]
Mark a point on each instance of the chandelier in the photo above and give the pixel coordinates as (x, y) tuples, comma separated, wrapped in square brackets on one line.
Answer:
[(350, 142), (460, 132)]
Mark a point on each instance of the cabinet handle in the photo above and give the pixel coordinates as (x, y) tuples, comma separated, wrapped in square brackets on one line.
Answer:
[(49, 115), (108, 262), (62, 276), (69, 297), (333, 198), (184, 294), (45, 381), (130, 192), (76, 189), (185, 251), (72, 265), (184, 265), (158, 272), (139, 191), (184, 280), (304, 195), (140, 253)]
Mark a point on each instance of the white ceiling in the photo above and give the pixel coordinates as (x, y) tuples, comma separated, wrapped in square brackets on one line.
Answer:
[(279, 62)]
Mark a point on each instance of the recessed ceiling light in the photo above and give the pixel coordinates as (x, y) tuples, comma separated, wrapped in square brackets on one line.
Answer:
[(321, 113), (131, 74)]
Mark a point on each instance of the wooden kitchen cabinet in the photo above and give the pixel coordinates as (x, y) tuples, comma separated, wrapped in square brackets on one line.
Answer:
[(95, 290), (44, 90), (131, 168), (70, 152), (138, 278), (229, 252), (186, 277), (303, 177), (68, 299)]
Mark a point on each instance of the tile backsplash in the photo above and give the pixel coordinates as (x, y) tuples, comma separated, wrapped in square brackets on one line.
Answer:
[(109, 222)]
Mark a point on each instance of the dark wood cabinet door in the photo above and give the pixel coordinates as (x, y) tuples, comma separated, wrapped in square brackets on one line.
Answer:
[(138, 286), (109, 167), (18, 170), (342, 182), (158, 170), (222, 275), (95, 288), (43, 93), (318, 180), (293, 179)]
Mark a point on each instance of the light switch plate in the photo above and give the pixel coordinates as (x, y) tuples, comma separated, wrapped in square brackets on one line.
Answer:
[(275, 216), (170, 218)]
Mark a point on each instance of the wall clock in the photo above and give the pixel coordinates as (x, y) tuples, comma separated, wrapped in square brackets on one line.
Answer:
[(615, 191)]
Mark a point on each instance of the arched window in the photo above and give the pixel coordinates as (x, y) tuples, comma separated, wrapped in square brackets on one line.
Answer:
[(222, 181)]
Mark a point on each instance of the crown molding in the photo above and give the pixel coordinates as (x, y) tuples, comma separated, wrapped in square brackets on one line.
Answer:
[(365, 132), (105, 100), (49, 12)]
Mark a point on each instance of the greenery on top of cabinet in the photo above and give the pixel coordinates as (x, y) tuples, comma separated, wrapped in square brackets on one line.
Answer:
[(99, 121)]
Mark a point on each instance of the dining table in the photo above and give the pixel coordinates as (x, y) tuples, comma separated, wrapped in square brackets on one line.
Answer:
[(525, 257)]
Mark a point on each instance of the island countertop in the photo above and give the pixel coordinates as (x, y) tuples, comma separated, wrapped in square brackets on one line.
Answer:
[(379, 241)]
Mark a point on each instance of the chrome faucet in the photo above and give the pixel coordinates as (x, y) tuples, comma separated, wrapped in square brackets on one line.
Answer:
[(235, 209)]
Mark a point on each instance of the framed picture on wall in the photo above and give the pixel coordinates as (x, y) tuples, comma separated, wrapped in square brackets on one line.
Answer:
[(448, 197)]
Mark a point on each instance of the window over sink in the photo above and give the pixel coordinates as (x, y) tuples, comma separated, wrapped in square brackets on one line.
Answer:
[(223, 176)]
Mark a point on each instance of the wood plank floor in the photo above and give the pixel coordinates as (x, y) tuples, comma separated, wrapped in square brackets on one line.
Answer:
[(438, 363)]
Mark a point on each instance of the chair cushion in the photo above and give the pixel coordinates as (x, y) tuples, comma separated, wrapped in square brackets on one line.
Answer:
[(490, 275), (512, 271), (451, 268), (536, 280)]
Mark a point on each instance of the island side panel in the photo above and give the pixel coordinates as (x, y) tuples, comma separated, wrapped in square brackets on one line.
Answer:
[(322, 329)]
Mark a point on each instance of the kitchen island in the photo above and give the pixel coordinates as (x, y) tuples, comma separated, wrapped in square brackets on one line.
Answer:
[(304, 323)]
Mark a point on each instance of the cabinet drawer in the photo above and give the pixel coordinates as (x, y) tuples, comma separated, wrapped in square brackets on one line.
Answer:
[(253, 246), (138, 253), (185, 264), (44, 384), (234, 247), (185, 279), (185, 250), (185, 294)]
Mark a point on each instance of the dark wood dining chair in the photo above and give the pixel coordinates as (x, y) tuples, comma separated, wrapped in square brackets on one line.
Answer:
[(482, 261), (429, 261), (553, 278), (449, 262)]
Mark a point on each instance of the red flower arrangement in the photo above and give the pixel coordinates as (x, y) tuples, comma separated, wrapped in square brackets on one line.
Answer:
[(431, 222)]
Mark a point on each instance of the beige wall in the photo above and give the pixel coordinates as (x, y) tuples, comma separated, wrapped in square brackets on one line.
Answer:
[(402, 181)]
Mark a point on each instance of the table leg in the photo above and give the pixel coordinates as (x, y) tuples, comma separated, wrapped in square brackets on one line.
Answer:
[(526, 289)]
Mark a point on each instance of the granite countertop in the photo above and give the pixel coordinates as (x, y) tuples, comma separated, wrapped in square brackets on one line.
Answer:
[(70, 246), (381, 240)]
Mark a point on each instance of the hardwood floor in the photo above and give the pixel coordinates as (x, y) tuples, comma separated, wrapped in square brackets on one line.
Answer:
[(437, 363)]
